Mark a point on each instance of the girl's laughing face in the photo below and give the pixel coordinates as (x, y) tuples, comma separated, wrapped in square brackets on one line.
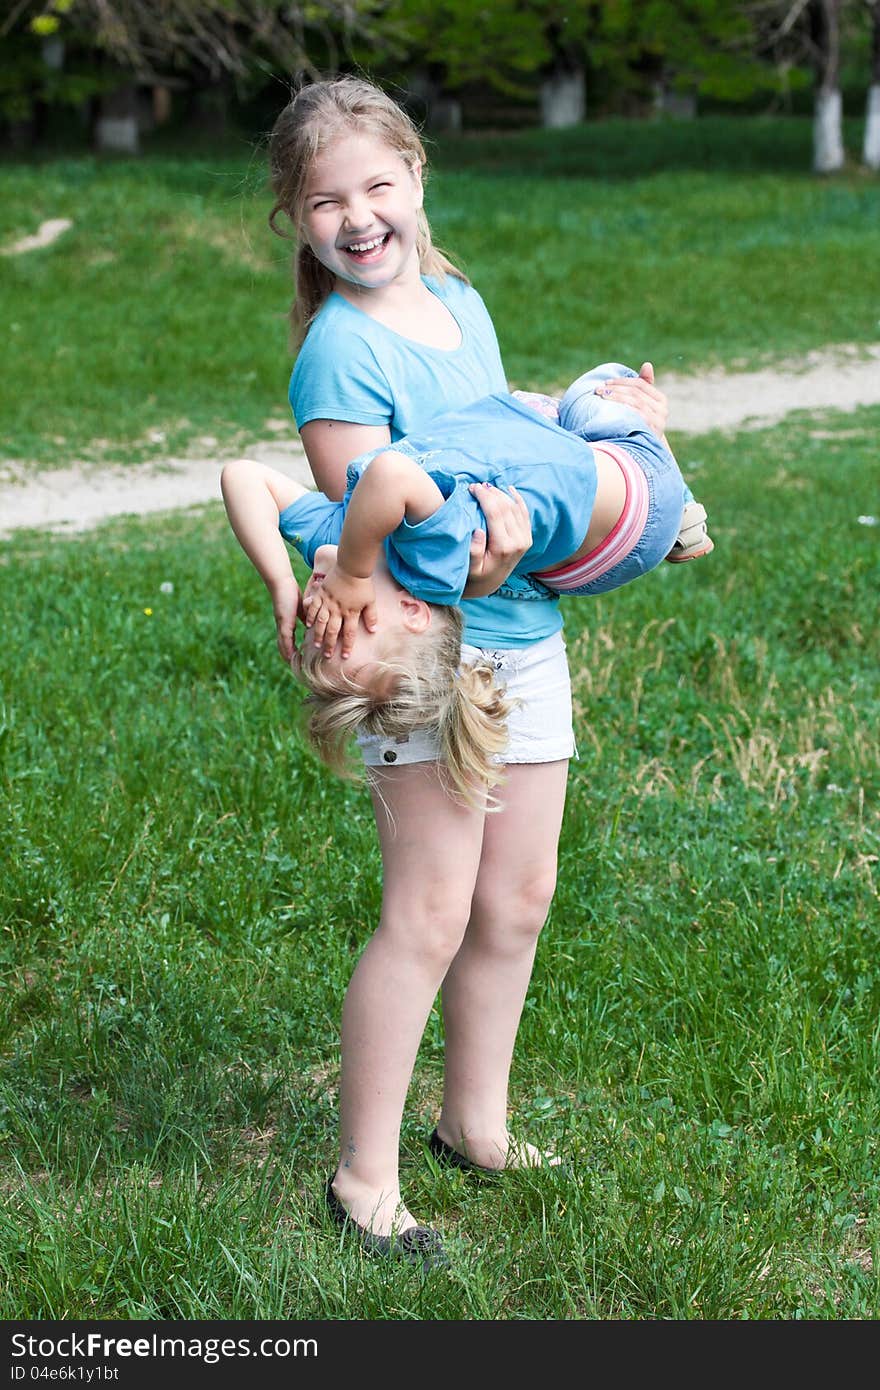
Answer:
[(360, 212)]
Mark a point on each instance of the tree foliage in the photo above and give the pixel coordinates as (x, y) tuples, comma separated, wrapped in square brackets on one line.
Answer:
[(149, 38), (715, 48), (727, 49), (177, 41)]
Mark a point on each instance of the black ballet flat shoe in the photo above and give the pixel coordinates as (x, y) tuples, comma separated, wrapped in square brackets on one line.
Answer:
[(449, 1156), (419, 1245)]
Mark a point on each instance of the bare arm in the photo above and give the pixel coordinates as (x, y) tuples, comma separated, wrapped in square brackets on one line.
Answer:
[(255, 496), (391, 488), (331, 445)]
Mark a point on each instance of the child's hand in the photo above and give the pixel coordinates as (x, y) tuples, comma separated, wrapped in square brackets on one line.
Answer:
[(510, 536), (336, 606), (640, 393), (287, 604)]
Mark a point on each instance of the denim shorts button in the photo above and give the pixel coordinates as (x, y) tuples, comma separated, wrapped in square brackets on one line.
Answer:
[(389, 756)]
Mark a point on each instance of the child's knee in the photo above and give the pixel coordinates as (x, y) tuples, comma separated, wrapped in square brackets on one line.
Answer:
[(517, 910), (580, 405), (534, 898), (430, 930)]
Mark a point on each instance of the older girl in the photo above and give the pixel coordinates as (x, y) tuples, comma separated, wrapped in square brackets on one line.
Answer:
[(394, 334)]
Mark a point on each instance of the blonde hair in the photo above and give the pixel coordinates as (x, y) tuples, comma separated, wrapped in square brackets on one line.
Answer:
[(318, 114), (428, 688)]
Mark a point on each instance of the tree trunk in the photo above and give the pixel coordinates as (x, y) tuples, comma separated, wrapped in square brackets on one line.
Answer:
[(116, 129), (21, 133), (871, 147), (668, 102), (209, 107), (828, 152), (161, 105), (52, 49), (441, 112), (563, 98)]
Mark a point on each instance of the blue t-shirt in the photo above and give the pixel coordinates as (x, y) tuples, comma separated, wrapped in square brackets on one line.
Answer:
[(498, 440), (382, 378)]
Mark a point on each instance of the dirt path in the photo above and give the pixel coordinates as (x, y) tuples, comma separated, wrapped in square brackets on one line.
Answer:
[(76, 498)]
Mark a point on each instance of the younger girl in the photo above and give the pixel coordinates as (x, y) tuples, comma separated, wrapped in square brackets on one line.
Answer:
[(399, 544), (393, 336)]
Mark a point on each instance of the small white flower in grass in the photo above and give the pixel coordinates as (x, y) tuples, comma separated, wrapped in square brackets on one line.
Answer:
[(166, 587), (834, 790), (156, 436), (867, 520)]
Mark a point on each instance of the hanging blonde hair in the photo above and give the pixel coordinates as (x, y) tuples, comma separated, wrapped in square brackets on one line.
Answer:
[(426, 687), (318, 114)]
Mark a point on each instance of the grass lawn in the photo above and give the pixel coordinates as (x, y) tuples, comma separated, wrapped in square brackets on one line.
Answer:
[(158, 322), (185, 892)]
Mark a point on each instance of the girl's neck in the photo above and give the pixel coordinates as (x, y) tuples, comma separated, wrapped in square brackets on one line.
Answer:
[(408, 308), (404, 292)]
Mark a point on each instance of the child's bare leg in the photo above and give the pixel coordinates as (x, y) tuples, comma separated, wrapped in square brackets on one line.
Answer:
[(485, 988), (430, 855)]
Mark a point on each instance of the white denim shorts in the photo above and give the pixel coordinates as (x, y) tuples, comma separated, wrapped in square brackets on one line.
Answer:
[(539, 726)]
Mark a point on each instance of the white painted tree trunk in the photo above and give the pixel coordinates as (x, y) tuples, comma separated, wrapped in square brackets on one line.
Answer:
[(53, 52), (441, 112), (563, 100), (828, 152), (682, 105), (871, 147), (118, 134), (445, 114), (117, 128)]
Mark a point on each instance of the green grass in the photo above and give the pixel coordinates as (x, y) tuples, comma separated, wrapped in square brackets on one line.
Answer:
[(185, 892), (159, 319)]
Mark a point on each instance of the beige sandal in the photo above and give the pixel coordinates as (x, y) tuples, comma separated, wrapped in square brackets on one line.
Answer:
[(693, 539)]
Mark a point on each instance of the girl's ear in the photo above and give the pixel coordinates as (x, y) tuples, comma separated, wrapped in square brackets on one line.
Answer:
[(415, 612)]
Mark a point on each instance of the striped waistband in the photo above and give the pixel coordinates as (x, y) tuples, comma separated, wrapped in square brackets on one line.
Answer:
[(620, 539)]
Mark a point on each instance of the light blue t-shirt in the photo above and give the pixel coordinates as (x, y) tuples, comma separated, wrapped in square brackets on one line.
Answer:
[(382, 378), (498, 440)]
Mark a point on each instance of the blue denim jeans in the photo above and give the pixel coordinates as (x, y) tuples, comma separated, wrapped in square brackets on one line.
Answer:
[(595, 419)]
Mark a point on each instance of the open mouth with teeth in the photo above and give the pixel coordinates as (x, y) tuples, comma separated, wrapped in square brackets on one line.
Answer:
[(369, 249)]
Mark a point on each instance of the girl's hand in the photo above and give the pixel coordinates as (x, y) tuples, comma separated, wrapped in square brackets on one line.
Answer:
[(494, 557), (642, 395), (287, 603), (336, 605)]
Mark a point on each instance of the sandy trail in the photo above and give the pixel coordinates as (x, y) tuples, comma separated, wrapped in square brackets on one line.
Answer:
[(79, 497)]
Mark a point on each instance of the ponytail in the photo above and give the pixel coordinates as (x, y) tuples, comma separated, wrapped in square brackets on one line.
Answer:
[(473, 730)]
